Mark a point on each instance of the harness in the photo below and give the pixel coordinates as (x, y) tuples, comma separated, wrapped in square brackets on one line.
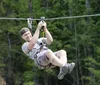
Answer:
[(42, 44)]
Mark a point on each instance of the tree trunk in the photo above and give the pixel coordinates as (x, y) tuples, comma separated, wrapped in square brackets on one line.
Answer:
[(70, 14), (77, 72), (30, 7)]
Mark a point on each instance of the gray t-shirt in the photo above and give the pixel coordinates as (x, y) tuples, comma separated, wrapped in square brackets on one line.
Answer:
[(36, 48)]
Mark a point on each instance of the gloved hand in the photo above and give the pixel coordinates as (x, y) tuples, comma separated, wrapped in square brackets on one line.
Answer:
[(41, 25), (44, 25)]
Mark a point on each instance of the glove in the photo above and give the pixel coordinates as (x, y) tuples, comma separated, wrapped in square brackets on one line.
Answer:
[(41, 25)]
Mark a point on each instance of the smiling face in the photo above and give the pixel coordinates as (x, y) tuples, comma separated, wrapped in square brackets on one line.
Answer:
[(27, 36)]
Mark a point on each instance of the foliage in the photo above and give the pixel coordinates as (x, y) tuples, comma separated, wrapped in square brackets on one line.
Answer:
[(78, 36)]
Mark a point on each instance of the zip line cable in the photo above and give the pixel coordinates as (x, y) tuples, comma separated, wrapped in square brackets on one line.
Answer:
[(58, 18), (70, 17)]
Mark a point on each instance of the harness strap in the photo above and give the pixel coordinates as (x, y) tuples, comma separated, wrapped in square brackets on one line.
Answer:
[(38, 64), (42, 44), (43, 67)]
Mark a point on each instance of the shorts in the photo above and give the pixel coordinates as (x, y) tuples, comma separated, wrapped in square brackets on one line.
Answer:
[(42, 59)]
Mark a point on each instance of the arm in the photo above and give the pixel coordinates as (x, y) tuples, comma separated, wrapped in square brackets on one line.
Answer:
[(48, 35), (35, 36), (34, 39)]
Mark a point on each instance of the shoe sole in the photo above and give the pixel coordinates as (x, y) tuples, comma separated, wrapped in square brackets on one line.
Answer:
[(61, 75), (71, 67)]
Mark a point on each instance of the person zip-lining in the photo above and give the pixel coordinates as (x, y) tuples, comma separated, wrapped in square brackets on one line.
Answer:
[(36, 48)]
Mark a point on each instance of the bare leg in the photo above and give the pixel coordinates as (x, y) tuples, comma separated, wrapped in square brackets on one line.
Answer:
[(59, 60), (62, 55)]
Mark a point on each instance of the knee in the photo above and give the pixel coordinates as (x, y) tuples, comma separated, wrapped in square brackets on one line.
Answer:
[(63, 51), (49, 53)]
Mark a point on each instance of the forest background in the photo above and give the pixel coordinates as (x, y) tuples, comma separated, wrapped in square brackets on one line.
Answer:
[(78, 36)]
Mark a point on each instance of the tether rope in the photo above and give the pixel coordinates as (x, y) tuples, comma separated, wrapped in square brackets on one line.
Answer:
[(57, 18)]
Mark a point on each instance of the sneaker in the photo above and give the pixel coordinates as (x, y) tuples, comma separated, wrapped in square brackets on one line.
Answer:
[(63, 72), (66, 69), (70, 67)]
